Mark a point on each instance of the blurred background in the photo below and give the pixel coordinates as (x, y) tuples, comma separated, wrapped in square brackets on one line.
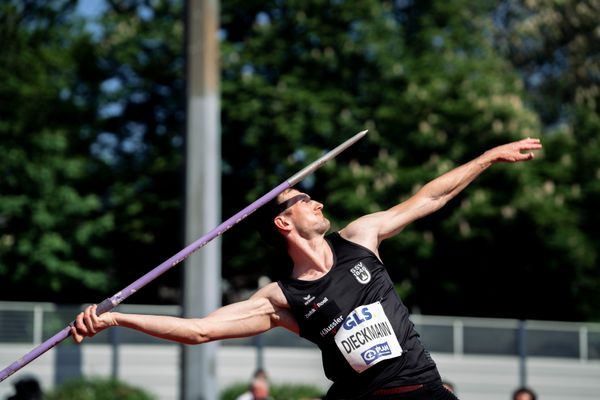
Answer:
[(93, 141)]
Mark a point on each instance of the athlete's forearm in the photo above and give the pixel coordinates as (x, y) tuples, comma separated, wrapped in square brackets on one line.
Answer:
[(187, 331), (448, 185), (242, 319), (217, 325), (451, 183)]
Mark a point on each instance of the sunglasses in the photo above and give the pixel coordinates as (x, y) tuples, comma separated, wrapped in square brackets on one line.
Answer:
[(281, 207)]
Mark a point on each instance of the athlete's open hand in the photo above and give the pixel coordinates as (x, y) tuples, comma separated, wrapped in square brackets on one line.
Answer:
[(514, 151), (87, 323)]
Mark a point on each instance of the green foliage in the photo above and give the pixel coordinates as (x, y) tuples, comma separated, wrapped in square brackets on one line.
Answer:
[(553, 45), (233, 391), (137, 93), (295, 392), (92, 142), (51, 218), (277, 392), (97, 389)]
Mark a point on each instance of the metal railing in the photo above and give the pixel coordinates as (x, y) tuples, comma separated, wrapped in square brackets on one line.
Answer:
[(462, 335), (22, 322)]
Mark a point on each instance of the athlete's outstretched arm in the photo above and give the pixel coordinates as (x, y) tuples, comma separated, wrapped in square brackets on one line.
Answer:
[(265, 310), (371, 229)]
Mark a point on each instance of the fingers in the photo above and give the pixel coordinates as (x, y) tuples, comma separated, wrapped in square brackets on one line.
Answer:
[(94, 315), (533, 143), (524, 156), (523, 148), (85, 324), (90, 319), (520, 150), (530, 144), (75, 335), (78, 329)]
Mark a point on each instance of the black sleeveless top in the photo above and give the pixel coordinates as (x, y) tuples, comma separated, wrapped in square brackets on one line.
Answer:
[(320, 306)]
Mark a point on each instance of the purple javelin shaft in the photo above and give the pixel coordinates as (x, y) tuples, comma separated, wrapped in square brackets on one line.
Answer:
[(111, 302)]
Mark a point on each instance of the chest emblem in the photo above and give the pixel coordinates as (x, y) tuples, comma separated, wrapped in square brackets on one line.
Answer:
[(361, 273)]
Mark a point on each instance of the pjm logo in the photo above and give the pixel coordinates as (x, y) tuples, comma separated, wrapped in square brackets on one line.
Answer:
[(376, 352), (361, 273)]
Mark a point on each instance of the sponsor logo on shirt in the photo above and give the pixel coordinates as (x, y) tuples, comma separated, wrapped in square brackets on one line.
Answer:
[(315, 307), (361, 273), (332, 326), (375, 352), (308, 298), (357, 317)]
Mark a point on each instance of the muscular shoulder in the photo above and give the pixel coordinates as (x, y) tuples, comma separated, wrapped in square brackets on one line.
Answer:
[(363, 231)]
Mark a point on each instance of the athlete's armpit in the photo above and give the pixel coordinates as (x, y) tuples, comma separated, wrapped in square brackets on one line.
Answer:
[(281, 314)]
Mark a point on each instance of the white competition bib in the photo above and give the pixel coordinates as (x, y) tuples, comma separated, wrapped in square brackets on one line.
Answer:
[(366, 337)]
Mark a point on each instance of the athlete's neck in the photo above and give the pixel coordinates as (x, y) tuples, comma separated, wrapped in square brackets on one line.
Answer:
[(312, 258)]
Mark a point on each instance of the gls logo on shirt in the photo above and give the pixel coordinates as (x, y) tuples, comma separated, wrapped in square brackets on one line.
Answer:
[(361, 273), (357, 318)]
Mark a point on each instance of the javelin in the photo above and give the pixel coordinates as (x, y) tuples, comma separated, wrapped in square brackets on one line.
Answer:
[(111, 302)]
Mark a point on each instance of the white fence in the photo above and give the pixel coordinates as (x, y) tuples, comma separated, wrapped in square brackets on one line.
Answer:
[(485, 358)]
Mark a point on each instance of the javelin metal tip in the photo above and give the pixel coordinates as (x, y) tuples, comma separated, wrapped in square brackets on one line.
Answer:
[(355, 138), (331, 154)]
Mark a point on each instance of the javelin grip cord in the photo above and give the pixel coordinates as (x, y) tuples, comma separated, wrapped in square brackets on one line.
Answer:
[(111, 302)]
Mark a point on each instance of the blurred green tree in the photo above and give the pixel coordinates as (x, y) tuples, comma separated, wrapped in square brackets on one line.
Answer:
[(52, 222), (139, 126), (554, 46), (91, 128)]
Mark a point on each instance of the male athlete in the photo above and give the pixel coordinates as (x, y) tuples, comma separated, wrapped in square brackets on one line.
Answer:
[(338, 296)]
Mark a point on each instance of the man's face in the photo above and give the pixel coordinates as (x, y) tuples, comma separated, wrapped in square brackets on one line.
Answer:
[(306, 214)]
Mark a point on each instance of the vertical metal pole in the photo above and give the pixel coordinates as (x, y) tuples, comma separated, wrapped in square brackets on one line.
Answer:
[(259, 343), (583, 343), (522, 349), (114, 346), (458, 337), (202, 271), (38, 323)]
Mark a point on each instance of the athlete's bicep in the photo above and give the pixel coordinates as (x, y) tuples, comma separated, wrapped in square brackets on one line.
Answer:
[(371, 229)]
